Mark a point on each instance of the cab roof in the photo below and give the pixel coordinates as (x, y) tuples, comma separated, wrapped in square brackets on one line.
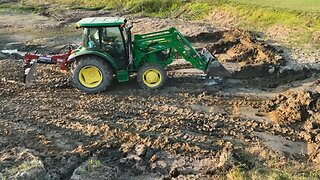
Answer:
[(101, 22)]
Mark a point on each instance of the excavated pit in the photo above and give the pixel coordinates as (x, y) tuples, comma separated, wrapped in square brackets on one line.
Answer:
[(251, 58)]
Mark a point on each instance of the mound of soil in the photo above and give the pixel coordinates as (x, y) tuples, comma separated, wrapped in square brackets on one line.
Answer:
[(298, 112), (236, 45), (250, 58), (292, 107)]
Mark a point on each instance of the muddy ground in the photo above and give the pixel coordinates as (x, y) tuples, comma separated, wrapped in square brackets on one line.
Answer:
[(266, 116)]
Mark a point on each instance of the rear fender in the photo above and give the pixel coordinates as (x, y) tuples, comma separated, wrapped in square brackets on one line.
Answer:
[(73, 57)]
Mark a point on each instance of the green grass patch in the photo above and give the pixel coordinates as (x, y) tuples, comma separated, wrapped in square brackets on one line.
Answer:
[(197, 10), (265, 16), (271, 174), (20, 8), (301, 25), (296, 5), (300, 19), (153, 7), (194, 9)]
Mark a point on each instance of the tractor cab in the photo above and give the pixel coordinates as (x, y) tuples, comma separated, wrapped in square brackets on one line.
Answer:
[(108, 36)]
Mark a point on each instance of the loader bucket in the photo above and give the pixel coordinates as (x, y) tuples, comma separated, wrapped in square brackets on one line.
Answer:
[(214, 67)]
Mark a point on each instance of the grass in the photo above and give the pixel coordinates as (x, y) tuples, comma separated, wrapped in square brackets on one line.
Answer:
[(23, 167), (271, 174), (297, 5), (302, 26), (92, 166), (300, 20), (21, 8)]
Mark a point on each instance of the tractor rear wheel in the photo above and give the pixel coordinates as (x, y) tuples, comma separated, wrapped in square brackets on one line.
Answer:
[(151, 76), (92, 74)]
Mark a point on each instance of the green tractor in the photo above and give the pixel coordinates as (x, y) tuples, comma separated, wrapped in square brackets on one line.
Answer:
[(108, 50)]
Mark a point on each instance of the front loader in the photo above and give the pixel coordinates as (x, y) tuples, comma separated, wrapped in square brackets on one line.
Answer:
[(108, 50)]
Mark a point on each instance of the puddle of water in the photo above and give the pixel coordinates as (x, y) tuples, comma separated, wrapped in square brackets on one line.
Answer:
[(252, 114), (207, 109), (12, 51), (61, 142), (9, 51), (211, 83), (281, 144), (190, 71)]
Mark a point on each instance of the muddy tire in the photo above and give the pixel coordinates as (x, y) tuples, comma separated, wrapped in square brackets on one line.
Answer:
[(151, 76), (92, 74)]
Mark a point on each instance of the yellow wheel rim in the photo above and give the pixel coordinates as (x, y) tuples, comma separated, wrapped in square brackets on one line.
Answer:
[(152, 77), (90, 76)]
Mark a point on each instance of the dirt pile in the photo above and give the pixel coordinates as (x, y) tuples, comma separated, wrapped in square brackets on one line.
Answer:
[(162, 134), (298, 111), (247, 56), (293, 107), (236, 45), (250, 58), (94, 169)]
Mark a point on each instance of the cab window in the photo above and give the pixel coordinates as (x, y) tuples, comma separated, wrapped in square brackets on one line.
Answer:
[(91, 38), (112, 43)]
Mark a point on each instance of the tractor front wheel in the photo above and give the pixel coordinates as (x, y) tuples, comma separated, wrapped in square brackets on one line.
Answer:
[(151, 76), (92, 74)]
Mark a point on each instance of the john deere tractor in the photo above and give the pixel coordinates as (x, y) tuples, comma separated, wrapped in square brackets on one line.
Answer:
[(108, 50)]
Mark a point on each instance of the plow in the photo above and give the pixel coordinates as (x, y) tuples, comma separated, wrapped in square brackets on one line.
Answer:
[(31, 60), (109, 51)]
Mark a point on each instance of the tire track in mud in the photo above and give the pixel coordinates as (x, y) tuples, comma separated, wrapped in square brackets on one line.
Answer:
[(185, 127), (64, 120)]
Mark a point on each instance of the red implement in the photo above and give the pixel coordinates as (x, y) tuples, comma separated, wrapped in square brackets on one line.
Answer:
[(32, 59)]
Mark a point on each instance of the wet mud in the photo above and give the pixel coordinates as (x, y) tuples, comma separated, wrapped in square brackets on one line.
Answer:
[(190, 129), (293, 107), (298, 111), (165, 134)]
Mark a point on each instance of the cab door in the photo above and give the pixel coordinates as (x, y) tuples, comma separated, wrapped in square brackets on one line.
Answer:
[(113, 42)]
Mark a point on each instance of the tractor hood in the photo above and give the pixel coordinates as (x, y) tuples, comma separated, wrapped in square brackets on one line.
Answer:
[(101, 22)]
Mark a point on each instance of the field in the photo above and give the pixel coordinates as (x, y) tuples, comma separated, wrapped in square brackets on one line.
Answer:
[(263, 122), (292, 22), (295, 5)]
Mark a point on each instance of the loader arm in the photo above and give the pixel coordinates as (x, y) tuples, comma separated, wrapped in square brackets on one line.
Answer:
[(146, 47)]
